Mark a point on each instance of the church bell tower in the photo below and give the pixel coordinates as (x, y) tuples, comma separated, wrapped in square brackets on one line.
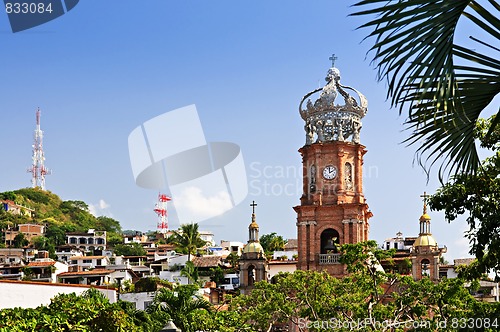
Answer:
[(333, 210)]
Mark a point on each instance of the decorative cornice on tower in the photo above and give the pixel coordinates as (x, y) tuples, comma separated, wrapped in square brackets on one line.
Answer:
[(326, 121)]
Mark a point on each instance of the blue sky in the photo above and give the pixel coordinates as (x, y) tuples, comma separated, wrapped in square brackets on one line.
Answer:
[(106, 67)]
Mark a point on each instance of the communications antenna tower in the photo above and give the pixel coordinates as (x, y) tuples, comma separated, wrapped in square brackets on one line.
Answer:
[(161, 211), (38, 169)]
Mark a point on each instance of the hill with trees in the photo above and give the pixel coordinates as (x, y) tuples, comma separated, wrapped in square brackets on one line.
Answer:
[(57, 215)]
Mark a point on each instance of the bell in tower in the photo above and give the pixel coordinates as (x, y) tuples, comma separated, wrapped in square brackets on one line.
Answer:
[(333, 209)]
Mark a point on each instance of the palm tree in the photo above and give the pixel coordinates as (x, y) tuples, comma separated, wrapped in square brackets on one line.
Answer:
[(190, 272), (178, 305), (187, 239), (277, 243), (445, 85)]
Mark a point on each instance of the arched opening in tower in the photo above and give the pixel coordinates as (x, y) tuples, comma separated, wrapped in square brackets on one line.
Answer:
[(425, 267), (251, 275), (329, 239)]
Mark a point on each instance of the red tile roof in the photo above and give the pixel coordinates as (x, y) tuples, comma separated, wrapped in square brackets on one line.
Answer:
[(85, 273), (206, 261), (40, 264), (86, 257)]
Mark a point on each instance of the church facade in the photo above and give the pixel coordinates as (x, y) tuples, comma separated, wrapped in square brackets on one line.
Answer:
[(333, 210)]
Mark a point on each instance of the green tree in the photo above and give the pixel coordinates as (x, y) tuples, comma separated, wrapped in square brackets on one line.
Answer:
[(363, 300), (444, 85), (217, 275), (191, 272), (180, 305), (233, 259), (272, 242), (187, 239), (478, 196), (129, 249), (114, 239), (89, 312), (56, 234), (20, 241), (108, 224)]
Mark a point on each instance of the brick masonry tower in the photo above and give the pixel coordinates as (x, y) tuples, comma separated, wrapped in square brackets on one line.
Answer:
[(332, 208)]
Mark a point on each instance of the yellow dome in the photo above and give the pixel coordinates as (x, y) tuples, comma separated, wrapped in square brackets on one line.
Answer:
[(253, 225), (425, 217), (425, 240), (253, 247)]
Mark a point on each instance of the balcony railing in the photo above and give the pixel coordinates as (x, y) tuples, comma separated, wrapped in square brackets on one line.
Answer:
[(329, 258)]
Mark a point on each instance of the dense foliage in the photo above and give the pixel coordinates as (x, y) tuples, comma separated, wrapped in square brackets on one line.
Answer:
[(272, 242), (90, 312), (477, 196), (367, 300)]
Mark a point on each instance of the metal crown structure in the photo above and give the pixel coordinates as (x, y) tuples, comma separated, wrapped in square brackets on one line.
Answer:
[(327, 121)]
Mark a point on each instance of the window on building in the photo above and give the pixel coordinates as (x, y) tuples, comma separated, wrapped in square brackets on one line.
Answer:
[(147, 304)]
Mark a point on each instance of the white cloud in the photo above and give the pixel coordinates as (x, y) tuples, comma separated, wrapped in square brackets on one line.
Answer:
[(193, 205), (100, 209)]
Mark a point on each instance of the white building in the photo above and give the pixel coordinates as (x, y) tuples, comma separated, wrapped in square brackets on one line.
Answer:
[(141, 300), (275, 267), (208, 237), (44, 270), (96, 277), (234, 247), (65, 252), (27, 294), (92, 240), (89, 262)]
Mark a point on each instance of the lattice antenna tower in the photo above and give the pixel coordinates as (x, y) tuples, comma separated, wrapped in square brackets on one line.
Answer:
[(38, 169), (161, 210)]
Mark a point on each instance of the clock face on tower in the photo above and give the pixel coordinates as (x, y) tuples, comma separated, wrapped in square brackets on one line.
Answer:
[(329, 172)]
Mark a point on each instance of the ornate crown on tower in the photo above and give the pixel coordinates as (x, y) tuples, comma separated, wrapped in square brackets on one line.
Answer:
[(327, 121)]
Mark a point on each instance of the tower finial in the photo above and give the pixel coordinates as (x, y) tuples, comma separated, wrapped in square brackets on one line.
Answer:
[(333, 58), (253, 205), (425, 196)]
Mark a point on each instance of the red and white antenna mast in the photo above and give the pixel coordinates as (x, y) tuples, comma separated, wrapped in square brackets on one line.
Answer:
[(38, 169), (161, 211)]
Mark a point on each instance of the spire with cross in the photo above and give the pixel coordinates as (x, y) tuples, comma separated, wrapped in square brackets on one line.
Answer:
[(253, 205), (424, 197), (333, 58)]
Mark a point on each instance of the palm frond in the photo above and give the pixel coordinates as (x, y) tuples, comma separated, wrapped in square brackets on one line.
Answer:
[(443, 86)]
